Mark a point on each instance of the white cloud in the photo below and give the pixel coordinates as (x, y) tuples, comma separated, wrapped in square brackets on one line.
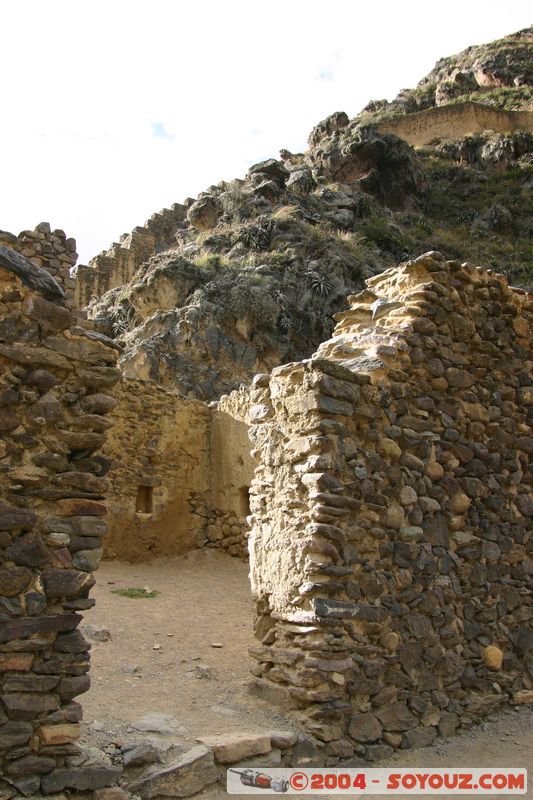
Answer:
[(114, 109)]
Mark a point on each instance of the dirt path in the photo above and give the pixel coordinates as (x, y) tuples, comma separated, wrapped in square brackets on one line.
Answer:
[(204, 600)]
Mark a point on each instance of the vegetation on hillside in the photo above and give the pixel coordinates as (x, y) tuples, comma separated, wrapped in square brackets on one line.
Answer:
[(261, 264)]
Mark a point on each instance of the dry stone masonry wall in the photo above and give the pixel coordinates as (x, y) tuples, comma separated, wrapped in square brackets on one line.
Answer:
[(118, 265), (49, 249), (158, 452), (391, 548), (179, 476), (54, 382), (455, 122)]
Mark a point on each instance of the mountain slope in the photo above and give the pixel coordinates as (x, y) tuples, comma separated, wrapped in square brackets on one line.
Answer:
[(499, 74), (253, 269)]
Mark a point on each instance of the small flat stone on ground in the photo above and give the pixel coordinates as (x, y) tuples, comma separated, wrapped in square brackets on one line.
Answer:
[(163, 724), (96, 633), (189, 774), (231, 747), (150, 751)]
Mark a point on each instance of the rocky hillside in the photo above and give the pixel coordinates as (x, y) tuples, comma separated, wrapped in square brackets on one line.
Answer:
[(255, 268), (499, 73)]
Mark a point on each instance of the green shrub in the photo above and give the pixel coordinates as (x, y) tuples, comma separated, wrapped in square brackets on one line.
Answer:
[(135, 592)]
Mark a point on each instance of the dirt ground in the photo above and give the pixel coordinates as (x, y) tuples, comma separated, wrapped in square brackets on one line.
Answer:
[(161, 658)]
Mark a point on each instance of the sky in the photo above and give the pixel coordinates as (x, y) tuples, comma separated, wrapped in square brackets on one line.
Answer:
[(111, 110)]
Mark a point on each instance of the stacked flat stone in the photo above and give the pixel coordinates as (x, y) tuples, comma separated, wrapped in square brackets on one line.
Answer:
[(391, 546), (54, 379), (159, 441), (226, 531), (51, 250), (117, 265)]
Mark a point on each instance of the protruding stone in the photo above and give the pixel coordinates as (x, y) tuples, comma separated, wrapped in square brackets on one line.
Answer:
[(389, 448), (149, 751), (365, 728), (189, 774), (419, 737), (523, 697), (80, 778), (397, 718), (283, 739), (493, 657), (66, 582), (58, 734), (13, 580), (390, 641), (26, 706), (231, 747)]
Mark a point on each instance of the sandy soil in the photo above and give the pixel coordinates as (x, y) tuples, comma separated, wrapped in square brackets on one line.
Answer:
[(204, 600)]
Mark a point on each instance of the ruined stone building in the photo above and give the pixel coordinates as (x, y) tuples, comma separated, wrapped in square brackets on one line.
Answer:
[(385, 500), (381, 488), (390, 543), (55, 375)]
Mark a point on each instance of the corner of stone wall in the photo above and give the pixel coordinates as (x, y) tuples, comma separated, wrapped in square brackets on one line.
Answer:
[(54, 380), (391, 551), (52, 251)]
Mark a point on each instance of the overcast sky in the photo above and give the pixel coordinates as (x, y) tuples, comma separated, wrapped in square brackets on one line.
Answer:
[(113, 109)]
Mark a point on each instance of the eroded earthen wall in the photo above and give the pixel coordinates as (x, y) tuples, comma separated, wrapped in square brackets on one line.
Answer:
[(391, 545), (455, 121), (54, 382)]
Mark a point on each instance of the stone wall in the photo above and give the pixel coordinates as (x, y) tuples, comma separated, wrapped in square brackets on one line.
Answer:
[(54, 379), (232, 470), (455, 121), (49, 249), (118, 265), (391, 547), (158, 452), (180, 471)]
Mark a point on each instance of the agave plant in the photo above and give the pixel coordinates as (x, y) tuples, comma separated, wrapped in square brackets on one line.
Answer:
[(284, 323), (318, 283), (123, 319)]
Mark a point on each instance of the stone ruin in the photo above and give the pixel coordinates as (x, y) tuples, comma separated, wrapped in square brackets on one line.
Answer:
[(455, 121), (388, 492), (118, 265), (55, 375), (391, 549), (181, 474)]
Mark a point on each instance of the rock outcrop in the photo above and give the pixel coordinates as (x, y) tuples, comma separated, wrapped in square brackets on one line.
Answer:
[(248, 275), (391, 545), (118, 265), (496, 74)]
